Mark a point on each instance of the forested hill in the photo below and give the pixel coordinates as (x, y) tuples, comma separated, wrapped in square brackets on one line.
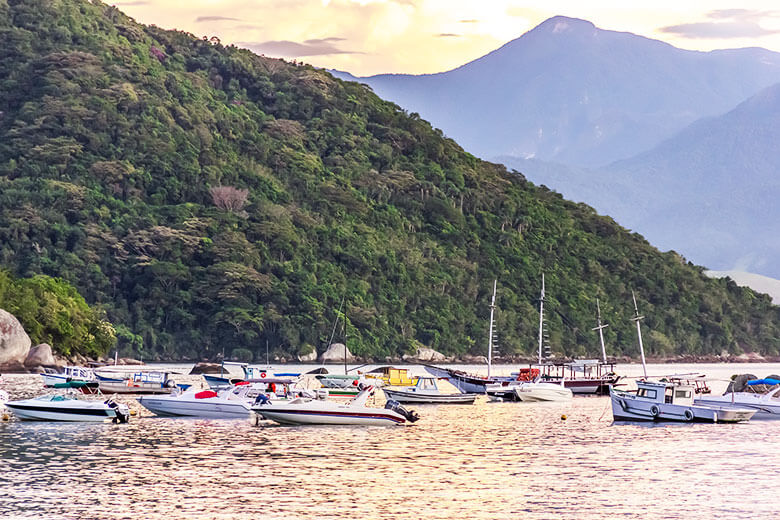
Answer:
[(212, 199)]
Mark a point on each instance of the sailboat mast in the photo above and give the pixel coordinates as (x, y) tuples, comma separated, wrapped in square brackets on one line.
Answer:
[(541, 319), (636, 319), (601, 328), (490, 331)]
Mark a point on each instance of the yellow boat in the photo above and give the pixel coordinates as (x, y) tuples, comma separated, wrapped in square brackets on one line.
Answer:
[(392, 376)]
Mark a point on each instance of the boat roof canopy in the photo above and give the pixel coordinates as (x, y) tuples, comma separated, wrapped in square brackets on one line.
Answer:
[(765, 381)]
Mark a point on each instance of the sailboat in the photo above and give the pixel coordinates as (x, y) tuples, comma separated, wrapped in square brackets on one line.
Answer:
[(582, 376), (529, 386), (472, 383), (667, 400)]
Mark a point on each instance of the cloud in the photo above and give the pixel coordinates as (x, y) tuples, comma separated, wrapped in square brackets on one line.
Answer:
[(726, 23), (288, 49), (468, 21), (215, 19), (448, 35), (137, 2)]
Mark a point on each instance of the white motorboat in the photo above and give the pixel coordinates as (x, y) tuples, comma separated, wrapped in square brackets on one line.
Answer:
[(766, 405), (540, 391), (426, 391), (53, 407), (222, 404), (659, 401), (232, 402), (53, 376), (354, 412)]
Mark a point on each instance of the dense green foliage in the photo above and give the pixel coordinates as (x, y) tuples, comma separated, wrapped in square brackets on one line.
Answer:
[(52, 311), (213, 200)]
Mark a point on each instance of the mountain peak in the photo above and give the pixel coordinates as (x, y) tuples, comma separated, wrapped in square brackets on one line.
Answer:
[(564, 24)]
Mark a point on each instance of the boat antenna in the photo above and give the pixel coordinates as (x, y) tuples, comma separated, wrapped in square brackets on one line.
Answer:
[(601, 328), (267, 363), (490, 331), (636, 319)]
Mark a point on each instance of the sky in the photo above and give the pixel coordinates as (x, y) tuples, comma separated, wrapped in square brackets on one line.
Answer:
[(366, 37)]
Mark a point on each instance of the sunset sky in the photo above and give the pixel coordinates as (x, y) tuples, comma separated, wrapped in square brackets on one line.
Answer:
[(421, 36)]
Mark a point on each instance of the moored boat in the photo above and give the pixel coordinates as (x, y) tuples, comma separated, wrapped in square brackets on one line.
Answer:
[(766, 405), (667, 400), (52, 376), (426, 391), (55, 407), (540, 391), (136, 382), (658, 401), (325, 412)]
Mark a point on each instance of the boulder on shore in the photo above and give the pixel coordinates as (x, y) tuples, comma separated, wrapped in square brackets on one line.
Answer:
[(14, 341), (308, 358), (335, 354), (40, 356)]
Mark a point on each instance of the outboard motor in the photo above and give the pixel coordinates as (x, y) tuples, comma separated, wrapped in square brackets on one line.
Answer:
[(395, 406), (121, 410)]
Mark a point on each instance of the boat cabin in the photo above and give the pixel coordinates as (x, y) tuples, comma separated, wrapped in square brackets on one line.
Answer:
[(665, 392), (72, 372), (392, 376)]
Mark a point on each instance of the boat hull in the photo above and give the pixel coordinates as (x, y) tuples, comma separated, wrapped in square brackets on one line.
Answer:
[(205, 408), (764, 411), (542, 392), (422, 398), (74, 413), (467, 384)]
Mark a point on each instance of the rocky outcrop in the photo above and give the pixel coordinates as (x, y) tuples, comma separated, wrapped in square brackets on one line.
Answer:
[(40, 356), (14, 341), (335, 353), (424, 355), (206, 368), (739, 382), (308, 358)]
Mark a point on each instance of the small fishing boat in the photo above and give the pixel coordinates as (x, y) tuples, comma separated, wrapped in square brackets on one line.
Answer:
[(55, 407), (53, 376), (250, 372), (667, 400), (316, 411), (659, 401), (766, 405), (136, 382), (426, 391)]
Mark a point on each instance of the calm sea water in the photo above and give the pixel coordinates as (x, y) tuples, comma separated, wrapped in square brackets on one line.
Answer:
[(486, 461)]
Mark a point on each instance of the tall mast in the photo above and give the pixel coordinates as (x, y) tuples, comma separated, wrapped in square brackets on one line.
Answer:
[(601, 328), (345, 341), (490, 331), (636, 319), (541, 319)]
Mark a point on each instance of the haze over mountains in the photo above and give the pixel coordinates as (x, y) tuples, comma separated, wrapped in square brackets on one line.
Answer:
[(678, 145)]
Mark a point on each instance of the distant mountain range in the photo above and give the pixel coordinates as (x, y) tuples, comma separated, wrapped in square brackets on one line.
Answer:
[(681, 146)]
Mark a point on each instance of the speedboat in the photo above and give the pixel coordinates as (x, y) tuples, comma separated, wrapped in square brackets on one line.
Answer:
[(766, 405), (231, 402), (540, 391), (54, 407), (317, 411), (426, 391), (223, 404), (668, 401)]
